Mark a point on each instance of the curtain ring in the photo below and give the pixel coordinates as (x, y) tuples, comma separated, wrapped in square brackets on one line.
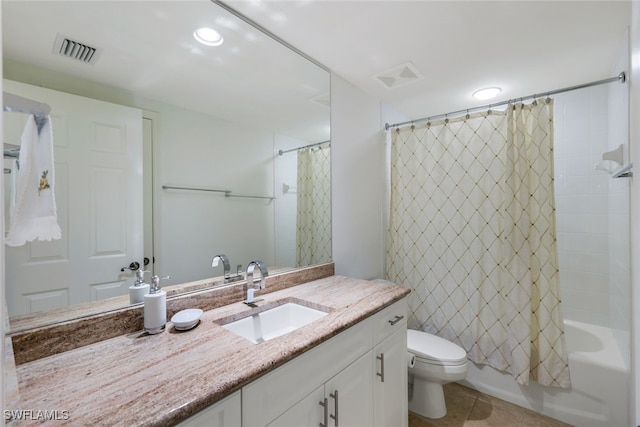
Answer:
[(548, 99), (429, 124), (489, 110), (467, 116), (412, 126)]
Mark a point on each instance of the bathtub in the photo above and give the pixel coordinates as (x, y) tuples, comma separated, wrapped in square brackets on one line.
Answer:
[(599, 394)]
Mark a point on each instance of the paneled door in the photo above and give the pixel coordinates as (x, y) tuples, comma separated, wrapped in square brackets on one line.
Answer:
[(98, 190)]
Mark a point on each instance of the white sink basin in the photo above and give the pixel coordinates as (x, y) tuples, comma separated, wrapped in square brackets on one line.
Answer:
[(274, 322)]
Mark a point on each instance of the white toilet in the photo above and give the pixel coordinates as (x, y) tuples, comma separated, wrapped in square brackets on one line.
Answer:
[(437, 362)]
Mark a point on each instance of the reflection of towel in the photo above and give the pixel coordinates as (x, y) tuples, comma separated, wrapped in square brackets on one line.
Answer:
[(34, 216)]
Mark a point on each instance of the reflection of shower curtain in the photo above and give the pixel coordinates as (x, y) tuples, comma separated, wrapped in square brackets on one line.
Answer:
[(313, 236), (472, 232)]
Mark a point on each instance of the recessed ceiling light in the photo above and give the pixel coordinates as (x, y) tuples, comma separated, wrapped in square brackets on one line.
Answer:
[(487, 93), (208, 36)]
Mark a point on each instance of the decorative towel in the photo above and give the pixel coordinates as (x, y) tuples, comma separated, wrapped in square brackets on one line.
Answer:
[(34, 216)]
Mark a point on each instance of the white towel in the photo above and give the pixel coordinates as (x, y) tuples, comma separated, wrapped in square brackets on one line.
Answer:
[(34, 216)]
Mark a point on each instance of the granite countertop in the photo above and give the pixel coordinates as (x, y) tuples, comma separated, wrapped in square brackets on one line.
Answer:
[(140, 379)]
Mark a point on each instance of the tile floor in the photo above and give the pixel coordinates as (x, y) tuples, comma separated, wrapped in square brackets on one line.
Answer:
[(470, 408)]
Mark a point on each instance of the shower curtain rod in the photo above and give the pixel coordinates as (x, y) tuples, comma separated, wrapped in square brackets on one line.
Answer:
[(619, 78), (281, 152)]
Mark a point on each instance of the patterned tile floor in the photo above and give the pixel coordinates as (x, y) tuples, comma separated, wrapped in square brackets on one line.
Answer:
[(470, 408)]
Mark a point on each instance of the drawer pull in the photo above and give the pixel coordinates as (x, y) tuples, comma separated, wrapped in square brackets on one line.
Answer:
[(396, 320), (335, 398), (325, 404), (381, 373)]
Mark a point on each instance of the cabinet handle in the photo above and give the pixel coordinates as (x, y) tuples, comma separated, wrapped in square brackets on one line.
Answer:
[(335, 398), (396, 320), (325, 404), (381, 373)]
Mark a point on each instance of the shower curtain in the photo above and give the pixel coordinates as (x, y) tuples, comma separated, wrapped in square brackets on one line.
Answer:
[(472, 233), (313, 235)]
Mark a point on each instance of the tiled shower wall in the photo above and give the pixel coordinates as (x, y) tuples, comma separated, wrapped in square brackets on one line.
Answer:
[(592, 208), (619, 213), (582, 203)]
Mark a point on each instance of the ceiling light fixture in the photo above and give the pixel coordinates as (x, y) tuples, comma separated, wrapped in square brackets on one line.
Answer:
[(486, 93), (208, 36)]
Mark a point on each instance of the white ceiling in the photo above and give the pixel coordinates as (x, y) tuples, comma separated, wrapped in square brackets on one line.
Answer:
[(524, 47), (146, 48)]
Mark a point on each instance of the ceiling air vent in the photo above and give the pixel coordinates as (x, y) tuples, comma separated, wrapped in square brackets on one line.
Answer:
[(75, 50), (399, 76)]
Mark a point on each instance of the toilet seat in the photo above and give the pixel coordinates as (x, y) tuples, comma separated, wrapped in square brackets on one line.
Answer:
[(435, 350)]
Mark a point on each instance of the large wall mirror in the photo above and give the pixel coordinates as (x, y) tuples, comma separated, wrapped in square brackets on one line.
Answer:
[(165, 148)]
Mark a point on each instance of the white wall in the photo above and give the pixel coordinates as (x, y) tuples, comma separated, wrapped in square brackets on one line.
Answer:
[(634, 146), (357, 180), (202, 151)]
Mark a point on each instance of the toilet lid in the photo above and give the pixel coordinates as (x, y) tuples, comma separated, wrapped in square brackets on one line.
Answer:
[(434, 349)]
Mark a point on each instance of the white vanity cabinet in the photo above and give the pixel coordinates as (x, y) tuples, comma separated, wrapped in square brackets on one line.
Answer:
[(290, 385), (225, 413), (338, 383), (390, 382), (344, 400)]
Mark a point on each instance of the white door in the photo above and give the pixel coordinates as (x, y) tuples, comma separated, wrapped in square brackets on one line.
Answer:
[(98, 190)]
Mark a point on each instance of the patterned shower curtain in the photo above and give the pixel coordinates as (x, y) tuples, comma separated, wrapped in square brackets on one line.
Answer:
[(313, 236), (472, 233)]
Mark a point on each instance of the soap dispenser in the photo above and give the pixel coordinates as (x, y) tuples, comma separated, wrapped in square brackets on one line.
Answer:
[(155, 307), (139, 288)]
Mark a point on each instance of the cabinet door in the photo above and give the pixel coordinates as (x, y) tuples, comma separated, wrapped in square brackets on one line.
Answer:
[(268, 397), (348, 398), (350, 395), (306, 413), (390, 383), (226, 413)]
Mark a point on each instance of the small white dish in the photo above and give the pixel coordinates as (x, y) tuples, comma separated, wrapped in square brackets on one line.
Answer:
[(186, 319)]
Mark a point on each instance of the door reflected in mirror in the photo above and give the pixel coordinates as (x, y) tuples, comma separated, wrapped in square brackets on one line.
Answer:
[(201, 117)]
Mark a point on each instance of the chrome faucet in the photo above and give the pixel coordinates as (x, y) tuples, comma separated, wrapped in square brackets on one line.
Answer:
[(250, 284), (227, 268), (225, 264)]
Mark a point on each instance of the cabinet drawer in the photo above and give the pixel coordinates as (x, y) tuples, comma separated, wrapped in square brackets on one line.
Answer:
[(390, 319)]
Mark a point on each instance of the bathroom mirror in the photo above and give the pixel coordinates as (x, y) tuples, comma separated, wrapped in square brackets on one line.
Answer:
[(212, 118)]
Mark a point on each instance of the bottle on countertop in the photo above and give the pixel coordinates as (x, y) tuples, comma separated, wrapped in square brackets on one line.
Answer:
[(155, 307), (139, 288)]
